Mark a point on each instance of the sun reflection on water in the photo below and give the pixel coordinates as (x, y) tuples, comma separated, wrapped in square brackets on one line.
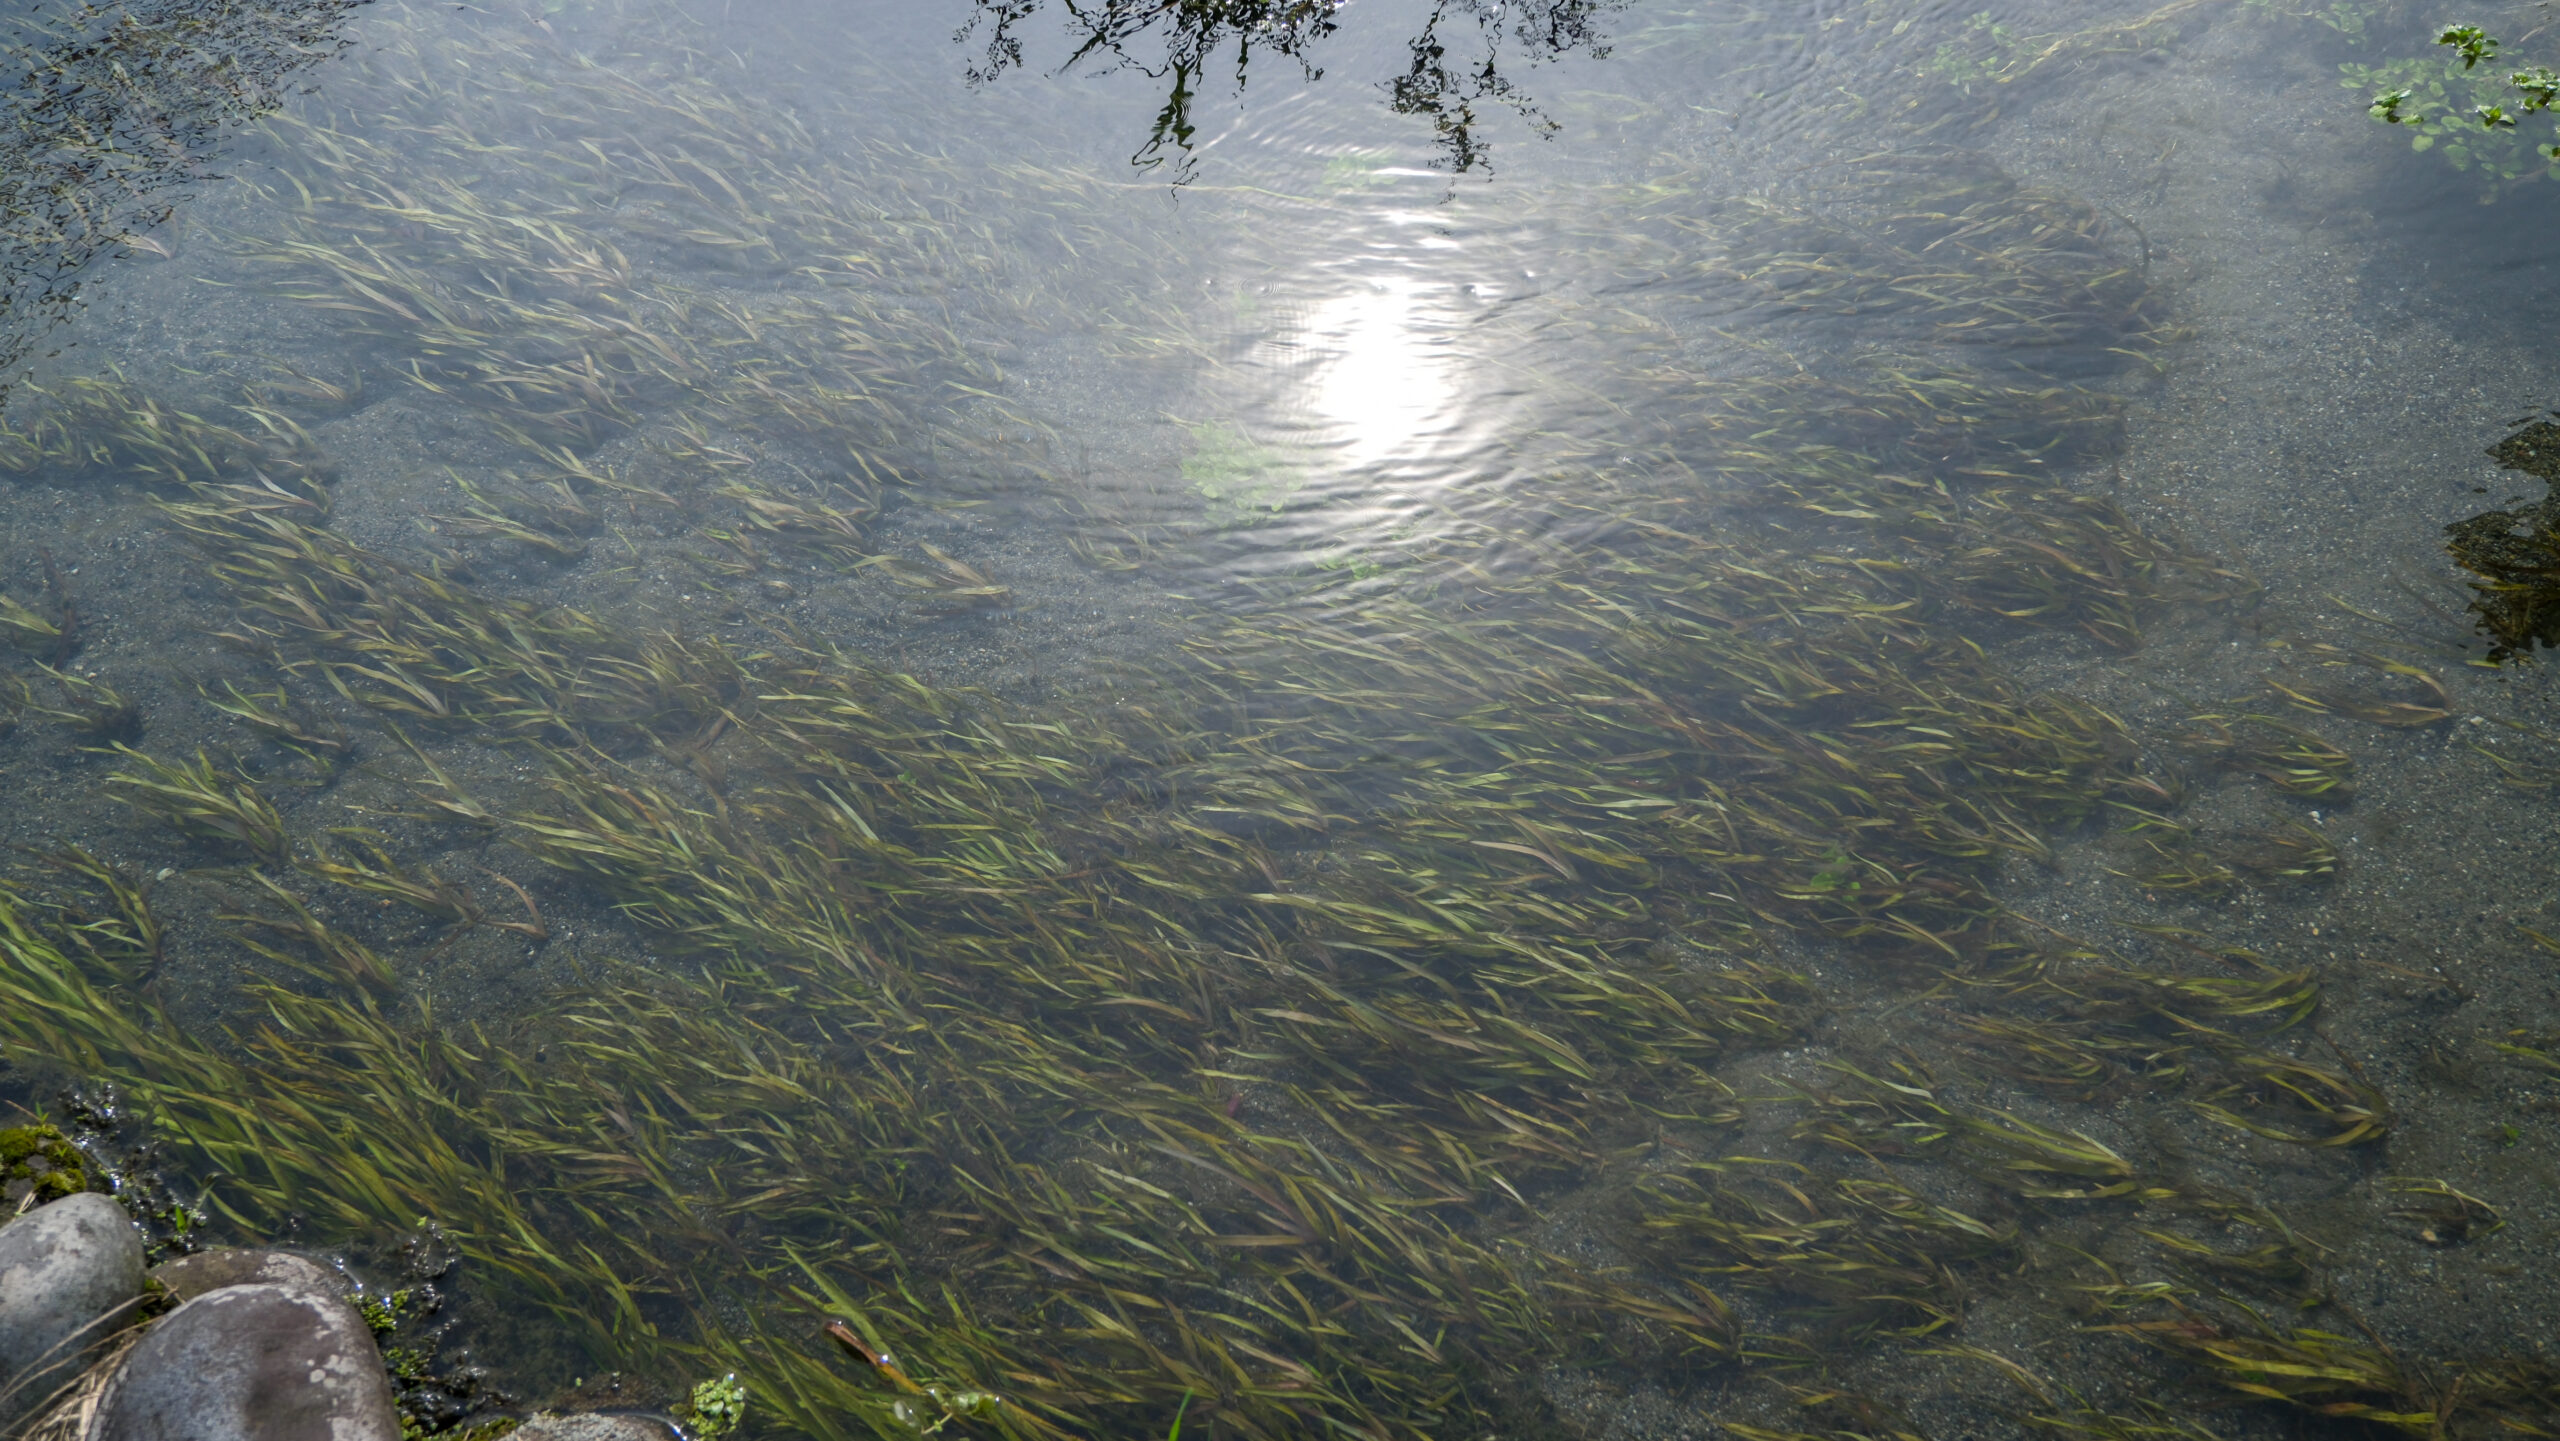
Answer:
[(1384, 384), (1385, 374)]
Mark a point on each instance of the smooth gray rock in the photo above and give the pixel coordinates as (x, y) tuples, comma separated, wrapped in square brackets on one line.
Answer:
[(252, 1363), (68, 1271), (191, 1276), (593, 1426)]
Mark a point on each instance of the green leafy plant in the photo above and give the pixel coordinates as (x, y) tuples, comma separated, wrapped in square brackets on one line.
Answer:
[(2462, 107), (384, 1313), (717, 1407)]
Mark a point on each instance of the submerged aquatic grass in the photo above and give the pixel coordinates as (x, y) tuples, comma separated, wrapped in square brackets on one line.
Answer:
[(1217, 1049)]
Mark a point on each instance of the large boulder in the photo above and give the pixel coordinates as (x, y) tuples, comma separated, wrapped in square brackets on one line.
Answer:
[(252, 1363), (70, 1272), (188, 1277)]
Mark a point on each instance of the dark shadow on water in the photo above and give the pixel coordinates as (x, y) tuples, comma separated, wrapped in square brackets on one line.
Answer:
[(2448, 250)]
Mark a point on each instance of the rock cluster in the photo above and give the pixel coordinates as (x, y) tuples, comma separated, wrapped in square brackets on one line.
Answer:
[(262, 1345)]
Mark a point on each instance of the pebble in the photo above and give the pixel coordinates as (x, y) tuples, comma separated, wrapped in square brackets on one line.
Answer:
[(65, 1268), (252, 1363)]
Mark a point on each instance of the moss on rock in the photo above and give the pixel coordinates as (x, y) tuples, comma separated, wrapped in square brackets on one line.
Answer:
[(41, 1160)]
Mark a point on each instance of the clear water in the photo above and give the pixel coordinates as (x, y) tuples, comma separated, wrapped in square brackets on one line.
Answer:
[(1777, 737)]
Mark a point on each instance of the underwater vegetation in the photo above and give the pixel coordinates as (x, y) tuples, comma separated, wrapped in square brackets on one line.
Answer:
[(1237, 477), (115, 106), (1334, 1024)]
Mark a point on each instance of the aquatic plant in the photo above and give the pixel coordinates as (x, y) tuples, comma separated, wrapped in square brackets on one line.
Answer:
[(887, 877), (108, 424), (791, 409), (2470, 115), (715, 1407), (1241, 481), (115, 106)]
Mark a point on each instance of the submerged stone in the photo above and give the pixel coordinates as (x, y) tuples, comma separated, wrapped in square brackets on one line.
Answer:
[(68, 1273), (2516, 553), (593, 1426), (188, 1277), (252, 1363)]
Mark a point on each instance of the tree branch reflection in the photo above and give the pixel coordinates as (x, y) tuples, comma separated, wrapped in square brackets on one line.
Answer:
[(1454, 66)]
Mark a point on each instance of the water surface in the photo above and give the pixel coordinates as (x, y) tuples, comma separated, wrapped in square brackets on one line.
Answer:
[(1551, 720)]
